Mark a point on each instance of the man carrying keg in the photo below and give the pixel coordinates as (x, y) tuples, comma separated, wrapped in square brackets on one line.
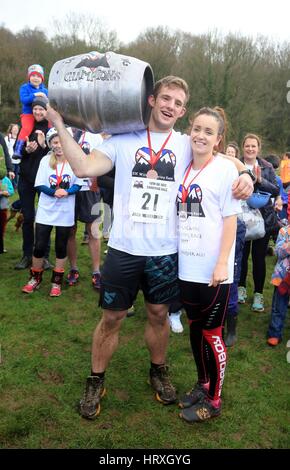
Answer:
[(142, 250)]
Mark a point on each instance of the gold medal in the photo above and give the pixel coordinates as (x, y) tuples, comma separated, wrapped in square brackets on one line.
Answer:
[(152, 174)]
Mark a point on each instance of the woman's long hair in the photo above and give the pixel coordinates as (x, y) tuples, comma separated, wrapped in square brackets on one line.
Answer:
[(52, 160)]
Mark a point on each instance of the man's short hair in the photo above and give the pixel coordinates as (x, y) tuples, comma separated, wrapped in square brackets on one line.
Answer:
[(171, 81)]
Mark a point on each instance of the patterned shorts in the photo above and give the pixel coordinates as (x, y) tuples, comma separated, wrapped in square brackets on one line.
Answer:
[(124, 274)]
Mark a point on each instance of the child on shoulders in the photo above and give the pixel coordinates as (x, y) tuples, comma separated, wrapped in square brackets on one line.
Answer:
[(30, 90)]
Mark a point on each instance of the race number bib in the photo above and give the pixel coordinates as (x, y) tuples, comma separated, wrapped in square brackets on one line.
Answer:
[(149, 200)]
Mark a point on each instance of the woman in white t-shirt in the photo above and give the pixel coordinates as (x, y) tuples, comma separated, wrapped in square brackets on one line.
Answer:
[(10, 139), (57, 185), (207, 220)]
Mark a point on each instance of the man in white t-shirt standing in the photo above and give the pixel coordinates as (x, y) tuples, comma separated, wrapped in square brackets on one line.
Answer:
[(143, 245)]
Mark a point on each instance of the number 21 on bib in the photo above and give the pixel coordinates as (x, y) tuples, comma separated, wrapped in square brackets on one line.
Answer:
[(150, 200)]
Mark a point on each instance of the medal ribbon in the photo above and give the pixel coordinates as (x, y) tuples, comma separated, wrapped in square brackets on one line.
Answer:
[(58, 177), (184, 193), (154, 159)]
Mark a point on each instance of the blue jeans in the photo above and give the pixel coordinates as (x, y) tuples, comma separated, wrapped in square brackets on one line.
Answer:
[(16, 172), (278, 314), (233, 308)]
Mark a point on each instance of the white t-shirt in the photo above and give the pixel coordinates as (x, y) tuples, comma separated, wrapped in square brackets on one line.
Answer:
[(89, 141), (10, 144), (52, 210), (200, 224), (135, 194)]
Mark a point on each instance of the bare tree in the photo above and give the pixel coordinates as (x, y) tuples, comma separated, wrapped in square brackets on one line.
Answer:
[(157, 46), (247, 77), (84, 28)]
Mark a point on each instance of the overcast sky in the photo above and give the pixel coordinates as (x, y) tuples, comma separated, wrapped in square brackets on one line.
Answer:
[(130, 17)]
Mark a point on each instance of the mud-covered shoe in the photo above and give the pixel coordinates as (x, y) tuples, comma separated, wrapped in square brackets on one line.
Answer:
[(90, 403), (55, 290), (73, 277), (197, 393), (242, 295), (161, 383), (201, 411), (258, 302), (31, 286), (56, 282), (33, 283)]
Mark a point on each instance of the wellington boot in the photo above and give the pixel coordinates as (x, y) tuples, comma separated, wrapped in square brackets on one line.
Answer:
[(231, 337)]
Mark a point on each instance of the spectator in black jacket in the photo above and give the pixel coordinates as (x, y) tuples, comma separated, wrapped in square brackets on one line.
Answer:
[(265, 181), (35, 149)]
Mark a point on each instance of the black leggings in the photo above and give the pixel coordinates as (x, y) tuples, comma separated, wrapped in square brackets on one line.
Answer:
[(259, 251), (42, 235), (206, 310)]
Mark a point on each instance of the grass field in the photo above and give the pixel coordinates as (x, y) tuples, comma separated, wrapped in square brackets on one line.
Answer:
[(45, 358)]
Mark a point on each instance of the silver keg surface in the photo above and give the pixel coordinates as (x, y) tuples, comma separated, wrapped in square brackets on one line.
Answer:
[(102, 92), (63, 94), (146, 90)]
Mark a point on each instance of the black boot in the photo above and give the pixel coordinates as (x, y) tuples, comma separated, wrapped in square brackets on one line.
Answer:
[(231, 337)]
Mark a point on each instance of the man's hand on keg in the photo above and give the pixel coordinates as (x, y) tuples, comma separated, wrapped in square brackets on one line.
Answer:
[(53, 116)]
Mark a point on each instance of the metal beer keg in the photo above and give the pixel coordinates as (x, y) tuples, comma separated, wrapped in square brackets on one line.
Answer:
[(102, 92)]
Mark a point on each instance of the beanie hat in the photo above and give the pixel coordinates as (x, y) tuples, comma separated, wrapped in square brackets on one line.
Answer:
[(50, 134), (40, 101), (35, 69)]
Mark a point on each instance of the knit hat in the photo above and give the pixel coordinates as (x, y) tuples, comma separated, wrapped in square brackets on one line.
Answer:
[(50, 134), (40, 101), (35, 69)]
